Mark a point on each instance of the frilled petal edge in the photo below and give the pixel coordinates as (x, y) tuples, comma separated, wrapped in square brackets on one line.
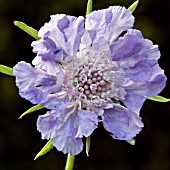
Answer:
[(110, 22), (34, 84), (67, 126), (122, 123), (60, 37)]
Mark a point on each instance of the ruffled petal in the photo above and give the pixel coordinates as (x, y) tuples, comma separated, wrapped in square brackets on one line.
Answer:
[(122, 123), (138, 59), (86, 122), (54, 101), (151, 88), (134, 102), (60, 37), (66, 142), (141, 72), (132, 49), (50, 67), (47, 124), (34, 84), (110, 22), (67, 126)]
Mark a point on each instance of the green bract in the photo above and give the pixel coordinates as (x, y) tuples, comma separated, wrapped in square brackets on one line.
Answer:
[(6, 70), (45, 149), (133, 6), (88, 139), (158, 99), (89, 7), (132, 142), (29, 30), (32, 109)]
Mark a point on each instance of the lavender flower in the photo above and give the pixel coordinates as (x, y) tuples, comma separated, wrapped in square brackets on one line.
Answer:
[(90, 70)]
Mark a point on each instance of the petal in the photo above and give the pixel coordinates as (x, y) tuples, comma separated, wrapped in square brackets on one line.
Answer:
[(141, 72), (54, 101), (47, 124), (68, 144), (50, 67), (151, 88), (67, 126), (134, 102), (60, 36), (122, 123), (133, 48), (34, 84), (65, 140), (86, 122), (109, 23)]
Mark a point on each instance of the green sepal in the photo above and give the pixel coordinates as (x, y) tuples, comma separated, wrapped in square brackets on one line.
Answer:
[(48, 146), (88, 139), (133, 6), (89, 7), (132, 141), (158, 99), (29, 30), (32, 109), (6, 70)]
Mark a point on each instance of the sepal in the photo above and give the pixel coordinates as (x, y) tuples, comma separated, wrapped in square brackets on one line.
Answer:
[(133, 6), (158, 99), (6, 70), (45, 149), (29, 30), (32, 109)]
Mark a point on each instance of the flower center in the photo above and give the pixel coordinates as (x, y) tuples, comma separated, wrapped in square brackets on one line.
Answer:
[(91, 83), (93, 79)]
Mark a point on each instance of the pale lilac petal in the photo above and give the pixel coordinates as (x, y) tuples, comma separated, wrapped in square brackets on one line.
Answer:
[(151, 88), (47, 124), (134, 102), (110, 22), (66, 142), (54, 101), (122, 123), (67, 126), (34, 84), (60, 37), (86, 121), (132, 48), (141, 72), (50, 67)]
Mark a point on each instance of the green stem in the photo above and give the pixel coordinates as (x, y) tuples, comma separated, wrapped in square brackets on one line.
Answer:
[(70, 162)]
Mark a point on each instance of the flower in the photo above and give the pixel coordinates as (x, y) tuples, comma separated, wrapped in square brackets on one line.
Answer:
[(90, 70)]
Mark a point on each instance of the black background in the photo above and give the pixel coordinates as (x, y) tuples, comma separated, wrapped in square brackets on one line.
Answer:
[(19, 139)]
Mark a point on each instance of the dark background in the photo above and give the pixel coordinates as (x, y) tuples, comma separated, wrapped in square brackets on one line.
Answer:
[(19, 139)]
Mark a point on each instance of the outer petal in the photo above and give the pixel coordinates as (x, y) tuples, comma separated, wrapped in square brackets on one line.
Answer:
[(60, 37), (153, 87), (34, 84), (54, 101), (109, 23), (86, 122), (122, 123), (51, 67), (67, 126), (47, 124), (65, 140), (132, 50), (134, 102), (138, 58)]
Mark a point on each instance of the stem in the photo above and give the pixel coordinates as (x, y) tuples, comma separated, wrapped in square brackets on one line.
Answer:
[(70, 162)]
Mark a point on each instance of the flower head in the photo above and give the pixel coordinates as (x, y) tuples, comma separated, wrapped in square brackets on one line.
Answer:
[(90, 70)]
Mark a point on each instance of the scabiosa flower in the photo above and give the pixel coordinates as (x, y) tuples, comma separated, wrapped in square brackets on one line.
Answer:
[(90, 70)]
